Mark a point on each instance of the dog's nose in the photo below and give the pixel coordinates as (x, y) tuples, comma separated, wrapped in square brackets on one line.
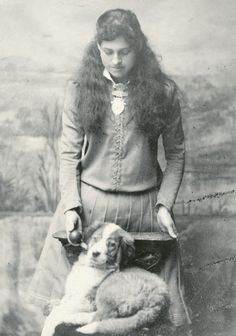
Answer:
[(96, 254)]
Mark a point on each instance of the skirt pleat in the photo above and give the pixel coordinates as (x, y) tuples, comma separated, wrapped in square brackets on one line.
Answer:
[(134, 212)]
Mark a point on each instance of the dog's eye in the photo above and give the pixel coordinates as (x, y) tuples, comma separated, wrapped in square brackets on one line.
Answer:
[(93, 240), (96, 238), (111, 244)]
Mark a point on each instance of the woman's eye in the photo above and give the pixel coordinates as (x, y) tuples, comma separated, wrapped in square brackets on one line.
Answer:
[(108, 52), (125, 52)]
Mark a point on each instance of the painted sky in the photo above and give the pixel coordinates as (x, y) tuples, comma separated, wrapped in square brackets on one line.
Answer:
[(194, 36)]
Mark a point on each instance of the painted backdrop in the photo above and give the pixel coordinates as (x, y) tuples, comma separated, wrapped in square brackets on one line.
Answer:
[(41, 43)]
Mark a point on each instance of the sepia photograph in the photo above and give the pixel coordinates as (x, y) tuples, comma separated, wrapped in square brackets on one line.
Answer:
[(118, 167)]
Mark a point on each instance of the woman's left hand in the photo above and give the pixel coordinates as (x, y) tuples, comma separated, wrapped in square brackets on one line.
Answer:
[(166, 222)]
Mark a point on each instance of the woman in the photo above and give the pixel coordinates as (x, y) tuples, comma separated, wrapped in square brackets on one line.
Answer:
[(114, 112)]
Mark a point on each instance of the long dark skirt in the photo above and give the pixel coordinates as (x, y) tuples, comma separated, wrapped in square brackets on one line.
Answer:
[(134, 212)]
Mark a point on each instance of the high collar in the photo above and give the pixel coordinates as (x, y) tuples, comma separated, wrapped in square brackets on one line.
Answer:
[(108, 76)]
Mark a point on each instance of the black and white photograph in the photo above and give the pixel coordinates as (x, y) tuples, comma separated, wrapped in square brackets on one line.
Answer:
[(118, 167)]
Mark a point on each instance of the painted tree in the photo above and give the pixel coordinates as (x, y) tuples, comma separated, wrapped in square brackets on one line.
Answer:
[(47, 172), (44, 125)]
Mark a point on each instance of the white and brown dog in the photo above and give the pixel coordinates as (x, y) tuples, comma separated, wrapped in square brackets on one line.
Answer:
[(104, 297)]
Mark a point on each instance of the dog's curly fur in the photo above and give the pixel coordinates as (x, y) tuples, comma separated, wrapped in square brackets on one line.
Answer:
[(103, 295)]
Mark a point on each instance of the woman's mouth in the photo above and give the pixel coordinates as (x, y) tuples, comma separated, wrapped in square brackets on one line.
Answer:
[(117, 68)]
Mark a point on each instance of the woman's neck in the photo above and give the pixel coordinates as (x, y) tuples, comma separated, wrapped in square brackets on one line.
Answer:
[(120, 80), (107, 74)]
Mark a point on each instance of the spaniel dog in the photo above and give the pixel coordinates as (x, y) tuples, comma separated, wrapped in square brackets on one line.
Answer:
[(102, 294)]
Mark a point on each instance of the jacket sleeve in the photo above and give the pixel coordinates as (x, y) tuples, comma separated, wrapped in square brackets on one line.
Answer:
[(174, 148), (71, 144)]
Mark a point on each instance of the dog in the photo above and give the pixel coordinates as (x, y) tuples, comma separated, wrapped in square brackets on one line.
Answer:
[(102, 294)]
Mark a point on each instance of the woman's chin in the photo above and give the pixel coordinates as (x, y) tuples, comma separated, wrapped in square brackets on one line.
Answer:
[(118, 76)]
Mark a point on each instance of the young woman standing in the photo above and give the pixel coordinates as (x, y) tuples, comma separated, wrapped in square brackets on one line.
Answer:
[(115, 110)]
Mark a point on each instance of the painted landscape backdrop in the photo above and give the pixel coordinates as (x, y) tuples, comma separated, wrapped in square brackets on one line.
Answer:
[(42, 45)]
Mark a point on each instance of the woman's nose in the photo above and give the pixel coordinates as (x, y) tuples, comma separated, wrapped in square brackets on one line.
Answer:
[(116, 59)]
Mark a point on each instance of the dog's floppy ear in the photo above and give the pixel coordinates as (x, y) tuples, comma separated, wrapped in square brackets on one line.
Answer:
[(88, 231), (127, 248)]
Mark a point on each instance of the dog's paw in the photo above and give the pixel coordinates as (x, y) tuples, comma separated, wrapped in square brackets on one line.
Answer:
[(91, 328), (80, 319)]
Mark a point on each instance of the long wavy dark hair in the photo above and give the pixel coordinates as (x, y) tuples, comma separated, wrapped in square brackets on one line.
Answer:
[(148, 88)]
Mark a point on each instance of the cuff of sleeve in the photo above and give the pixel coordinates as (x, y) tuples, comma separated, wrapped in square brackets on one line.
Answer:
[(73, 206), (163, 203)]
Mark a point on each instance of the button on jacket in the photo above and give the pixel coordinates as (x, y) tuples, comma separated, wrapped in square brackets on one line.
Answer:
[(120, 158)]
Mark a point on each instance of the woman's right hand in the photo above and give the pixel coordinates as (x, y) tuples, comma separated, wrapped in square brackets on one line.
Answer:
[(72, 222)]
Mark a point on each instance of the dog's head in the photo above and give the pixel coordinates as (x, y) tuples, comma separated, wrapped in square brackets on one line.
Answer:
[(109, 246)]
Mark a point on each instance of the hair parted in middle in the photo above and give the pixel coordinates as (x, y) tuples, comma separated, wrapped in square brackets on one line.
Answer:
[(149, 87)]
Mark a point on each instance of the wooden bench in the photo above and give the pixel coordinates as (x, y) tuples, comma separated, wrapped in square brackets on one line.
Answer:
[(146, 244)]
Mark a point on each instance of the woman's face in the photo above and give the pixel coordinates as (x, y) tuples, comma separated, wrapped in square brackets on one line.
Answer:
[(118, 57)]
